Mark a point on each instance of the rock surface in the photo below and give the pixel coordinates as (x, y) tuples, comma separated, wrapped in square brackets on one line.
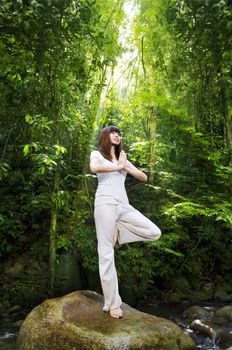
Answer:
[(76, 322), (195, 312), (215, 332), (216, 325), (225, 312)]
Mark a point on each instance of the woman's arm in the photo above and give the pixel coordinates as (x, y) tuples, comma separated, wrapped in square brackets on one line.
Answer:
[(123, 164), (131, 169), (97, 167), (138, 174)]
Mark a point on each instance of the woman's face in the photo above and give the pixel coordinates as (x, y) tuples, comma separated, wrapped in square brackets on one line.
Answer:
[(115, 138)]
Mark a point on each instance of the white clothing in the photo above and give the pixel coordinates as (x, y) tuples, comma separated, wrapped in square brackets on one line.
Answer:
[(112, 183), (113, 212)]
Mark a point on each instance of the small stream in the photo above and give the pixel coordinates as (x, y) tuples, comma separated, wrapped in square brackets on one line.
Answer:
[(173, 312), (8, 336)]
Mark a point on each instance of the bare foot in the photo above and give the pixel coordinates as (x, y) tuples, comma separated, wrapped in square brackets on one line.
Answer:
[(116, 313)]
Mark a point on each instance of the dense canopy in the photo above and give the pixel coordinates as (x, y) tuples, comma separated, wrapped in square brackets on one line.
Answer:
[(161, 71)]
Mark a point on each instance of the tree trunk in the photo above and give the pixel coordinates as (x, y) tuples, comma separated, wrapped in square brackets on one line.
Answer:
[(225, 113), (152, 127), (53, 231)]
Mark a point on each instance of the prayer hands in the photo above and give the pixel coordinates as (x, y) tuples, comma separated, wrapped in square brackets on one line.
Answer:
[(122, 162)]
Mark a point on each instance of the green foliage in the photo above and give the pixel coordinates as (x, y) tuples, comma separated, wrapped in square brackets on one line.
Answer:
[(176, 121), (174, 112), (54, 56)]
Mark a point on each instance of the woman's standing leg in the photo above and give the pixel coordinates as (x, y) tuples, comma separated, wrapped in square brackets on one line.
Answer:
[(105, 220)]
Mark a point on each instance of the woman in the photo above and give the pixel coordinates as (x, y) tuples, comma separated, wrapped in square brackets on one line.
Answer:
[(115, 218)]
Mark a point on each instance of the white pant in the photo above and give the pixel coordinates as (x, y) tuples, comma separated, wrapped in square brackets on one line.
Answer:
[(133, 227)]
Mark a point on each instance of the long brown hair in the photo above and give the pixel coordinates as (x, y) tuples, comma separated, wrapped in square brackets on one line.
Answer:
[(104, 145)]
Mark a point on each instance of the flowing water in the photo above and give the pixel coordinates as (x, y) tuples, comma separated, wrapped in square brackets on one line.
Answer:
[(173, 312), (8, 336)]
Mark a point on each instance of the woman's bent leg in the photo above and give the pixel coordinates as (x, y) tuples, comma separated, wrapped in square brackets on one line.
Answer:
[(134, 226), (105, 220)]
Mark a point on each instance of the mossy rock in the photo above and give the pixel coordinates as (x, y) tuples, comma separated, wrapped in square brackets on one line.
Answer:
[(225, 312), (196, 312), (76, 322)]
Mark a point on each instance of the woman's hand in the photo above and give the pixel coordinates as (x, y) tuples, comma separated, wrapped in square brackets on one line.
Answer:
[(122, 161), (96, 165)]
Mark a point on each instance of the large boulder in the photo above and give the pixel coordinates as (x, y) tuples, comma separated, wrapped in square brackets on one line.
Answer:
[(76, 322)]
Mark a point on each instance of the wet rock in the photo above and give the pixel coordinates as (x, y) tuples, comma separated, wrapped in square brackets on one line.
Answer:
[(216, 333), (196, 312), (219, 321), (76, 321), (225, 312)]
